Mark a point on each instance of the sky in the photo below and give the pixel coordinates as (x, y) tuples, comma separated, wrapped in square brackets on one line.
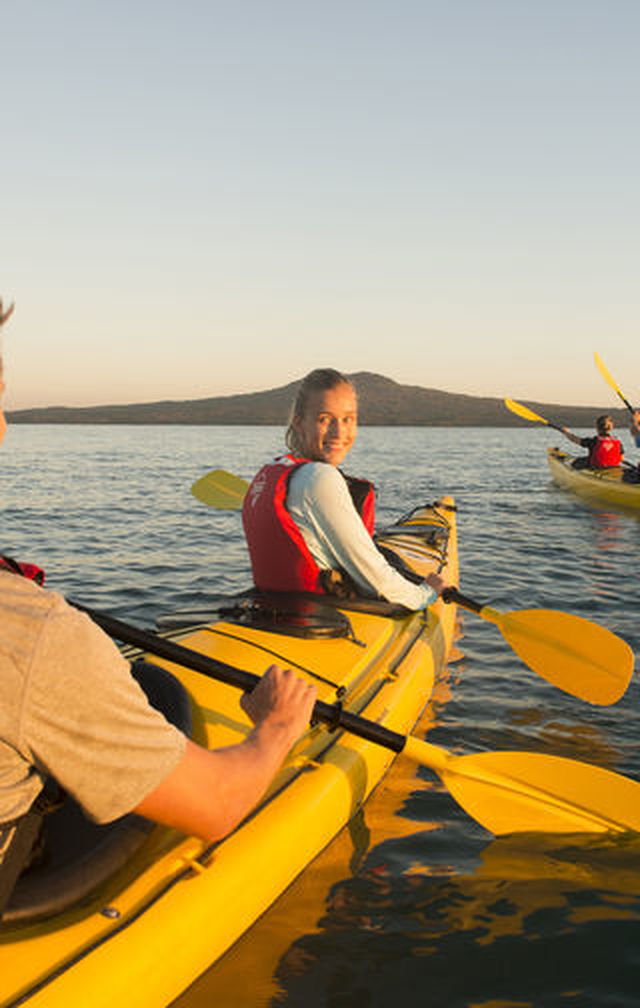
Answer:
[(201, 198)]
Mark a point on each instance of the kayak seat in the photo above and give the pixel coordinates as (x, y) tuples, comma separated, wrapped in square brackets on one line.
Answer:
[(78, 855)]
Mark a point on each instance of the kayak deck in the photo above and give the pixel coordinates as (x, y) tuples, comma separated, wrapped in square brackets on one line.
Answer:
[(180, 903), (611, 486)]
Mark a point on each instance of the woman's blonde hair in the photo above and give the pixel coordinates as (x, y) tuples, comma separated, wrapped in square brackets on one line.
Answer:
[(320, 380)]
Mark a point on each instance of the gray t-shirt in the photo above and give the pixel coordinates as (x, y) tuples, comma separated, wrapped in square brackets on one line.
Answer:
[(70, 707)]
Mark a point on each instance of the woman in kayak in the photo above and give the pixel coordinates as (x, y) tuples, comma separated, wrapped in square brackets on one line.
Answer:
[(604, 449), (70, 709), (308, 525)]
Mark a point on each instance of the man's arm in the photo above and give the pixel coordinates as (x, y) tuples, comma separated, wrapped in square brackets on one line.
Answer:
[(572, 437), (210, 791)]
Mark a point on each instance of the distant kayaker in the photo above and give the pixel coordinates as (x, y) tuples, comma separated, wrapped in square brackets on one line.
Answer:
[(70, 709), (605, 450), (308, 525)]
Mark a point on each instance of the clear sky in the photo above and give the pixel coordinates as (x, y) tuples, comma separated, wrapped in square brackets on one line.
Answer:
[(201, 198)]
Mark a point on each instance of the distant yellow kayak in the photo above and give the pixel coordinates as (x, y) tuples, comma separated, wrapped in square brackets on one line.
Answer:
[(139, 924), (607, 486)]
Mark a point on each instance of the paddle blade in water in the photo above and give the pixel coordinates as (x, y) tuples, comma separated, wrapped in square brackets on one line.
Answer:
[(221, 490), (578, 656), (516, 792)]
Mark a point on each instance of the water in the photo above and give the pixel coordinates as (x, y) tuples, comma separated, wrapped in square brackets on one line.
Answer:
[(415, 902)]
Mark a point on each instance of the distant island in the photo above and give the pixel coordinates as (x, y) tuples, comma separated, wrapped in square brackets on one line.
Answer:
[(383, 403)]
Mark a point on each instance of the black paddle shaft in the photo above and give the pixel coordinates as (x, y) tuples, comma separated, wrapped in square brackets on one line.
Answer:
[(453, 595), (332, 715)]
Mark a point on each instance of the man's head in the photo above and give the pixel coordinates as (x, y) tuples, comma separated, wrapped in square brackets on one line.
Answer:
[(604, 425)]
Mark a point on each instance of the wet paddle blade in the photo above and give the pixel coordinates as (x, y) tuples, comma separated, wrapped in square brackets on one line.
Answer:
[(519, 792), (578, 656), (523, 792), (220, 489), (523, 411)]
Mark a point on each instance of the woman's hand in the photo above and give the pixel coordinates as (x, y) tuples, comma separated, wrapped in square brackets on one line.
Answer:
[(437, 583)]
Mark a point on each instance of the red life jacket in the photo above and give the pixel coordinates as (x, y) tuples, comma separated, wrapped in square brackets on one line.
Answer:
[(606, 451), (31, 571), (280, 558)]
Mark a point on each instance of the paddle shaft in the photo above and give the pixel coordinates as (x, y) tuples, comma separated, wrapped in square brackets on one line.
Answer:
[(451, 594), (626, 402), (330, 714), (609, 380)]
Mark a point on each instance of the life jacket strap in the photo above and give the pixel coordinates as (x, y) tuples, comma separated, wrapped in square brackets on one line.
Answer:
[(24, 839)]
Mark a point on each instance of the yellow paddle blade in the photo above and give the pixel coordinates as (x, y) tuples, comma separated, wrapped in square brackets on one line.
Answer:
[(523, 411), (518, 792), (578, 656), (220, 489), (606, 374), (609, 380)]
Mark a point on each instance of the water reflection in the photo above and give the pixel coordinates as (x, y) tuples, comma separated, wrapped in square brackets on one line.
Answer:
[(458, 940), (608, 531)]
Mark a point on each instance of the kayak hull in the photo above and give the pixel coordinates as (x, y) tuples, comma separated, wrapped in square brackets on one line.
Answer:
[(148, 933), (607, 486)]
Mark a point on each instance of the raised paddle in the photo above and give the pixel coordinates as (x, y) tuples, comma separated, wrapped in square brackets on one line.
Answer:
[(506, 792), (580, 657), (528, 414), (609, 380)]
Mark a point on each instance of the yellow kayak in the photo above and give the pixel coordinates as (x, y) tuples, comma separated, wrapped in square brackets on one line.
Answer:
[(607, 486), (138, 922)]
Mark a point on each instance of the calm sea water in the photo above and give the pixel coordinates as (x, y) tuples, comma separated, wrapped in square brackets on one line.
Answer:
[(415, 903)]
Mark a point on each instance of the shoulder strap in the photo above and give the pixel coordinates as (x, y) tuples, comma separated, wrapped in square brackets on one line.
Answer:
[(23, 841), (31, 571)]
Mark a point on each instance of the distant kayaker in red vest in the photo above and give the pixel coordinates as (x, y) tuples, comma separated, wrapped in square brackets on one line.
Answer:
[(308, 525), (605, 450), (70, 709)]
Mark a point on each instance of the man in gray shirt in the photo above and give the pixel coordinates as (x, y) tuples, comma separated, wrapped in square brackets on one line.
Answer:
[(70, 708)]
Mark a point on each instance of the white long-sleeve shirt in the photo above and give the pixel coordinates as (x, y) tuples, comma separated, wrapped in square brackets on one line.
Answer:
[(319, 502)]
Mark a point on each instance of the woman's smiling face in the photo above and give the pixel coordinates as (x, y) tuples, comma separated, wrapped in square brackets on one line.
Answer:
[(329, 425)]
